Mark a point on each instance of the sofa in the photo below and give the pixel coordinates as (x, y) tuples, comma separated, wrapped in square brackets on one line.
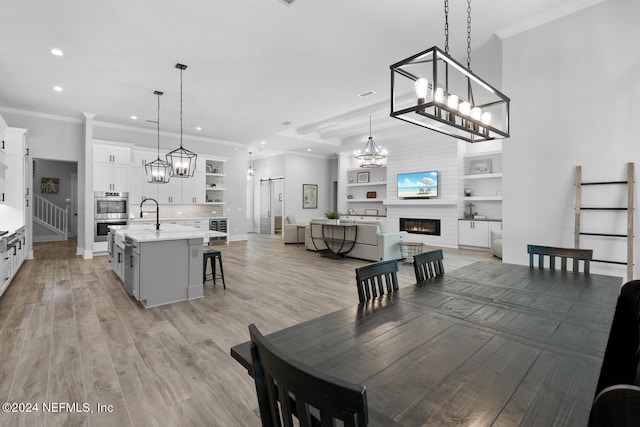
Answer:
[(292, 232), (617, 400), (372, 242)]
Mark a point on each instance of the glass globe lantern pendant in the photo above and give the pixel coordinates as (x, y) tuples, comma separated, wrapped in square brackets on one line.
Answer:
[(158, 171), (183, 161), (433, 90), (370, 156)]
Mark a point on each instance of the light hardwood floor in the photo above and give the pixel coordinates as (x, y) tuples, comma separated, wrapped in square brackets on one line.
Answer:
[(70, 334)]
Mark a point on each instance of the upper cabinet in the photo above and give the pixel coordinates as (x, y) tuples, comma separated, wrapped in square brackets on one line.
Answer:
[(3, 168), (111, 167), (18, 170)]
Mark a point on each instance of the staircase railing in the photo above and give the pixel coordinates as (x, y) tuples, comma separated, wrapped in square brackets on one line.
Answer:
[(52, 215)]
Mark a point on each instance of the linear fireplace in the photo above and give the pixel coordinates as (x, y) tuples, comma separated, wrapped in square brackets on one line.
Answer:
[(429, 227)]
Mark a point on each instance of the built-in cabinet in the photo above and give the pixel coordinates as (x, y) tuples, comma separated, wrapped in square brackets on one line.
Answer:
[(366, 191), (111, 167), (214, 182), (3, 168), (13, 252), (477, 233)]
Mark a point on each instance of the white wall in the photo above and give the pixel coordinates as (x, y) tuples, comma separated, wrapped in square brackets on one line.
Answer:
[(573, 85)]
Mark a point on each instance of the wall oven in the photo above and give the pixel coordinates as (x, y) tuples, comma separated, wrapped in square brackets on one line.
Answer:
[(110, 208)]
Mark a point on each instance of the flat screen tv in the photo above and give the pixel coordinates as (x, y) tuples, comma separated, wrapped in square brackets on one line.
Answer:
[(418, 185)]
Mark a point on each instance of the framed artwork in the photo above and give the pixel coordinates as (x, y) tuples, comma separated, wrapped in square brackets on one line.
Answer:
[(362, 177), (371, 212), (309, 196), (49, 185), (477, 167), (371, 194)]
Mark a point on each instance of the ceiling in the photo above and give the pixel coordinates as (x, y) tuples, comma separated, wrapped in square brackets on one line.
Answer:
[(258, 70)]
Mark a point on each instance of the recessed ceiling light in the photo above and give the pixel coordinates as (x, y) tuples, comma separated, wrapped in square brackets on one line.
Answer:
[(57, 88), (198, 128), (57, 52), (263, 142), (134, 117), (308, 149)]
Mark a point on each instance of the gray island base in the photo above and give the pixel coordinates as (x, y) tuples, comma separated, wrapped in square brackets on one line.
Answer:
[(159, 267)]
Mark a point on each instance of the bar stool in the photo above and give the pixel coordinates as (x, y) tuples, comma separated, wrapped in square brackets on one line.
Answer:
[(212, 256)]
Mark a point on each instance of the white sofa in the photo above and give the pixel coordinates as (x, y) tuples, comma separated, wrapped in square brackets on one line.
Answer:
[(372, 243), (292, 231)]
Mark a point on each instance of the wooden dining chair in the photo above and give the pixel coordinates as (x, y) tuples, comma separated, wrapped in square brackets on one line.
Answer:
[(576, 255), (428, 265), (373, 279), (287, 388)]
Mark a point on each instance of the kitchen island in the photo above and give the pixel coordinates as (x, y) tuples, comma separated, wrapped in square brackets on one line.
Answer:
[(159, 267)]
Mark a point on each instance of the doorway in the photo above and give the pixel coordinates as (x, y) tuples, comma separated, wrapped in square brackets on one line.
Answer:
[(271, 204)]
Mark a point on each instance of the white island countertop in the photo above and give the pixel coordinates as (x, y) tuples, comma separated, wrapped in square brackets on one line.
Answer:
[(148, 233)]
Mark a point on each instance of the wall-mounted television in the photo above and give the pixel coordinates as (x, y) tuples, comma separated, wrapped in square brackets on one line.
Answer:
[(418, 185)]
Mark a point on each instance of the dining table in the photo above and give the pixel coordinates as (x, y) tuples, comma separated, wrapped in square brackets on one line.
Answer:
[(488, 344)]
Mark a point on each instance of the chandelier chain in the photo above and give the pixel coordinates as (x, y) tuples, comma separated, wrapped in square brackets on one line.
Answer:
[(469, 34), (158, 125), (446, 26), (180, 107)]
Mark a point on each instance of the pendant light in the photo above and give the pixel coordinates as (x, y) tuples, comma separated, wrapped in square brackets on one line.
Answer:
[(183, 161), (449, 98), (371, 156), (251, 170), (158, 171)]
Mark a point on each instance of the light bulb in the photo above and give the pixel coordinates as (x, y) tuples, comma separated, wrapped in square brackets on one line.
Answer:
[(486, 118), (452, 102), (421, 86), (465, 108), (476, 113), (439, 95)]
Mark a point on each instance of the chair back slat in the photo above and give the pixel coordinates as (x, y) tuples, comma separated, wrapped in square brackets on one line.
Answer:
[(576, 255), (373, 279), (287, 388), (428, 265)]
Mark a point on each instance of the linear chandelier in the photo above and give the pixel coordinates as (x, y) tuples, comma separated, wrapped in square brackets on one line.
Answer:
[(433, 90), (183, 161), (158, 171), (371, 156)]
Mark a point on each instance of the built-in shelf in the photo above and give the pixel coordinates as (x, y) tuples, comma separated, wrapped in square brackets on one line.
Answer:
[(364, 200), (368, 184), (484, 154), (484, 176), (418, 202), (483, 198)]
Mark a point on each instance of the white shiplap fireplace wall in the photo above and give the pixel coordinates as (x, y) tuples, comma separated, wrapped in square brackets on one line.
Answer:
[(444, 155)]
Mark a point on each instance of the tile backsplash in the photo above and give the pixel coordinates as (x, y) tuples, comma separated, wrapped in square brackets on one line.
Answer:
[(177, 211)]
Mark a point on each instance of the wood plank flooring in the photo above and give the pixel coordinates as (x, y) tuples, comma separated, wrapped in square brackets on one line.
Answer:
[(70, 335)]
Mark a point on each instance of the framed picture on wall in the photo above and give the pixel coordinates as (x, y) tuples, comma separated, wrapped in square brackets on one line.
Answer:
[(309, 196), (362, 177), (49, 185)]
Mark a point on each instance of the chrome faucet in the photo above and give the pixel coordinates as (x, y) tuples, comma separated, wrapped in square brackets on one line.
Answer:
[(157, 211)]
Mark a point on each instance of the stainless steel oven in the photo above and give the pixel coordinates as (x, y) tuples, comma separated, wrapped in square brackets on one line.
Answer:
[(111, 205), (101, 228), (110, 208)]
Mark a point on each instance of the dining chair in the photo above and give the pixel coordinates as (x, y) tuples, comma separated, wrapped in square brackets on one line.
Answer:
[(287, 388), (372, 279), (428, 265), (576, 255)]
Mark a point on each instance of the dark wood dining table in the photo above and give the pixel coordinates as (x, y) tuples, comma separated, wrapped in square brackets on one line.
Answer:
[(489, 344)]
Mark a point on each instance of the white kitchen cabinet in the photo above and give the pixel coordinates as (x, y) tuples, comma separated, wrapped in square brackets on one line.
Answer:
[(473, 233), (171, 192), (197, 223), (3, 167), (193, 188), (111, 167)]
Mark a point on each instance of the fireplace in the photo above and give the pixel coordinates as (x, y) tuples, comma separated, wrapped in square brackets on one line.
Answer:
[(430, 227)]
